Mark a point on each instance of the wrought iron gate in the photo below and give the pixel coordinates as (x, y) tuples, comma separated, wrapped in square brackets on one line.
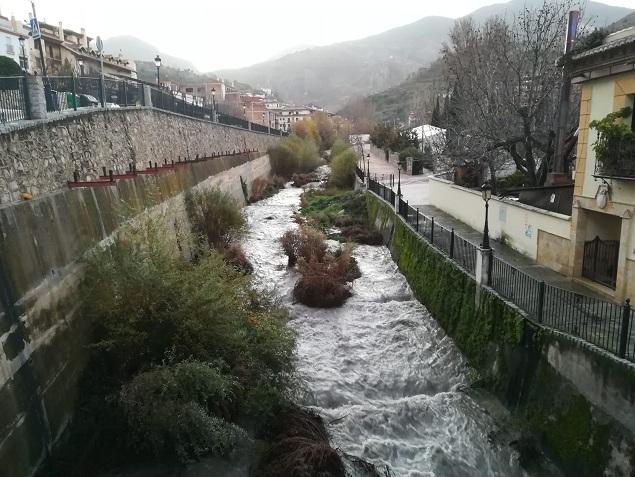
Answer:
[(600, 261)]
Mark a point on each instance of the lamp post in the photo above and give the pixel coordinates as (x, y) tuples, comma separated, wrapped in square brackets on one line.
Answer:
[(214, 104), (80, 62), (23, 62), (486, 193), (399, 180), (368, 160), (157, 63)]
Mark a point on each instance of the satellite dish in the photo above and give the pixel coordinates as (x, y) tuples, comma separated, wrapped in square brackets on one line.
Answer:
[(100, 44)]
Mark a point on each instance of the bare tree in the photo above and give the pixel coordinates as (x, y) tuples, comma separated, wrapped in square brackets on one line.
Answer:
[(506, 81)]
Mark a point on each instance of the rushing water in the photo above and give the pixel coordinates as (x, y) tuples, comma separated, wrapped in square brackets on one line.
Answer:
[(379, 369)]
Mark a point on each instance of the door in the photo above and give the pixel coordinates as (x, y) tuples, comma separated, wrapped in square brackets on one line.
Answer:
[(600, 261)]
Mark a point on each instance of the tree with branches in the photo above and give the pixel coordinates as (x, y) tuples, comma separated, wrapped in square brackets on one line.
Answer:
[(505, 90)]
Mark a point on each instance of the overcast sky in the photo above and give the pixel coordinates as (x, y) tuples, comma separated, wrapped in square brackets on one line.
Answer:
[(217, 34)]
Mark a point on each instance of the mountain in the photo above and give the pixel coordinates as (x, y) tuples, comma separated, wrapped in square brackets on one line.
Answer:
[(138, 50), (331, 75), (336, 74), (598, 13), (627, 21), (414, 95)]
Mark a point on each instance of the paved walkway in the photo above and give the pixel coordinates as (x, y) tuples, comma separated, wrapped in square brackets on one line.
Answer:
[(415, 191)]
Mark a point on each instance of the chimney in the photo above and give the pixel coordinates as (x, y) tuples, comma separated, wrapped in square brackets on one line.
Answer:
[(60, 31), (14, 24), (84, 39)]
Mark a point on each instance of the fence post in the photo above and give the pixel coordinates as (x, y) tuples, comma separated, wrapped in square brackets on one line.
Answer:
[(74, 94), (452, 243), (541, 301), (27, 97), (626, 316), (432, 231), (147, 95), (417, 219), (125, 94), (101, 92)]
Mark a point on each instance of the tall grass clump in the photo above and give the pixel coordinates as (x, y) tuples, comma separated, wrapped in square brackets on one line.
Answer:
[(294, 154), (181, 351), (338, 147)]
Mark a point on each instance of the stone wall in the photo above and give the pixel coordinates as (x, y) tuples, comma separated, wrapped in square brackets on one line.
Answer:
[(574, 398), (42, 157), (42, 337)]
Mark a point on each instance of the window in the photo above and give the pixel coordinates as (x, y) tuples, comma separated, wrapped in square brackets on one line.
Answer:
[(10, 48)]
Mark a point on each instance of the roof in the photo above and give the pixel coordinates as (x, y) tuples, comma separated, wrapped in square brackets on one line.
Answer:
[(628, 40)]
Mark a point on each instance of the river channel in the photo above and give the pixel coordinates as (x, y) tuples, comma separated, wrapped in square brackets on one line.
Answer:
[(393, 388)]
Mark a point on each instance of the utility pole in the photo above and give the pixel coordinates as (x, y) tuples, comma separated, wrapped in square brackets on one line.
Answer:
[(559, 173), (37, 35)]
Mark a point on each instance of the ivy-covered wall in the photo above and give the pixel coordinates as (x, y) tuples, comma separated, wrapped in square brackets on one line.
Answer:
[(557, 386)]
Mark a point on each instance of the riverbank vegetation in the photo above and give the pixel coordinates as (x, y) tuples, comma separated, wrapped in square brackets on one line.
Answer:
[(185, 358), (217, 222)]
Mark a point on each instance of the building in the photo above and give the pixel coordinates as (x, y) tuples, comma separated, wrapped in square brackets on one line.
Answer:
[(67, 52), (602, 251), (286, 116), (11, 31)]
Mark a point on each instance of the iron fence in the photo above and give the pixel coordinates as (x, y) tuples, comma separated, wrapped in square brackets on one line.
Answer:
[(73, 92), (13, 99), (605, 324)]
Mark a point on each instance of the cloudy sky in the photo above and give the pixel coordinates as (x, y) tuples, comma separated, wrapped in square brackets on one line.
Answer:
[(216, 34)]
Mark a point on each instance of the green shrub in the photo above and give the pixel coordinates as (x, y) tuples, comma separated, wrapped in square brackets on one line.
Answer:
[(293, 154), (175, 409), (149, 307), (343, 169), (8, 67), (214, 215), (338, 147)]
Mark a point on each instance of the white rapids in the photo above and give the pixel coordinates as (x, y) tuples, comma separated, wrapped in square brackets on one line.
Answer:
[(379, 369)]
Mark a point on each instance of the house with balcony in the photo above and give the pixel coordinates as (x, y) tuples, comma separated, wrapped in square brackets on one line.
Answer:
[(67, 52), (602, 251), (15, 41)]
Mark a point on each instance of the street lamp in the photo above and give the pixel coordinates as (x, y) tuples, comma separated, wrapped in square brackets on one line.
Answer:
[(399, 179), (368, 157), (23, 64), (80, 62), (157, 63), (486, 193)]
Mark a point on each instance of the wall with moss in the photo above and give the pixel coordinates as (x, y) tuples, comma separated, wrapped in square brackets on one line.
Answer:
[(578, 401), (42, 241)]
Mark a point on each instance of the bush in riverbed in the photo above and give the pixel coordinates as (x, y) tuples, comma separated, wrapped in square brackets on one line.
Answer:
[(304, 242), (234, 255), (215, 216), (300, 447), (300, 180), (263, 187), (338, 147), (322, 284)]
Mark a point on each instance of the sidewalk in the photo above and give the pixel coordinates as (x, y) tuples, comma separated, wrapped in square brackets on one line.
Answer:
[(415, 191)]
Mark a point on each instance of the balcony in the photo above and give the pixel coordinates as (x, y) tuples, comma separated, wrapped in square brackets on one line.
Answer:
[(616, 160)]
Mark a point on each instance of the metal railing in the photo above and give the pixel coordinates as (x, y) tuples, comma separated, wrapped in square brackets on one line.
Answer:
[(617, 160), (605, 324), (13, 99), (75, 92)]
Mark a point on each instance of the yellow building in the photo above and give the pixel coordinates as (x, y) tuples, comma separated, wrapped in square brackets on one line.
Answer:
[(602, 254)]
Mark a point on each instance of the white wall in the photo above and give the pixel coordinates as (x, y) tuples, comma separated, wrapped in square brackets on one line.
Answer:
[(519, 222)]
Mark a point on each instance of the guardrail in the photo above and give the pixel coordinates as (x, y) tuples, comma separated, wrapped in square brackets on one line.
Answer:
[(65, 93), (605, 324)]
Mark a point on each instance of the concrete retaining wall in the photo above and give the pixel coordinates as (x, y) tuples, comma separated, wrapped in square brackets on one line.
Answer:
[(42, 156), (577, 400), (41, 336), (518, 224)]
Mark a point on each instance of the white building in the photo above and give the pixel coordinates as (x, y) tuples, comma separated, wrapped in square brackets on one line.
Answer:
[(10, 33), (285, 117)]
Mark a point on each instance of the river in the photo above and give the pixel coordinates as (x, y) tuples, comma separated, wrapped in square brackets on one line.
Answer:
[(392, 386)]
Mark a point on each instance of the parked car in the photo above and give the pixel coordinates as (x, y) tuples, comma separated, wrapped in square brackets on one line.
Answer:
[(88, 100)]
